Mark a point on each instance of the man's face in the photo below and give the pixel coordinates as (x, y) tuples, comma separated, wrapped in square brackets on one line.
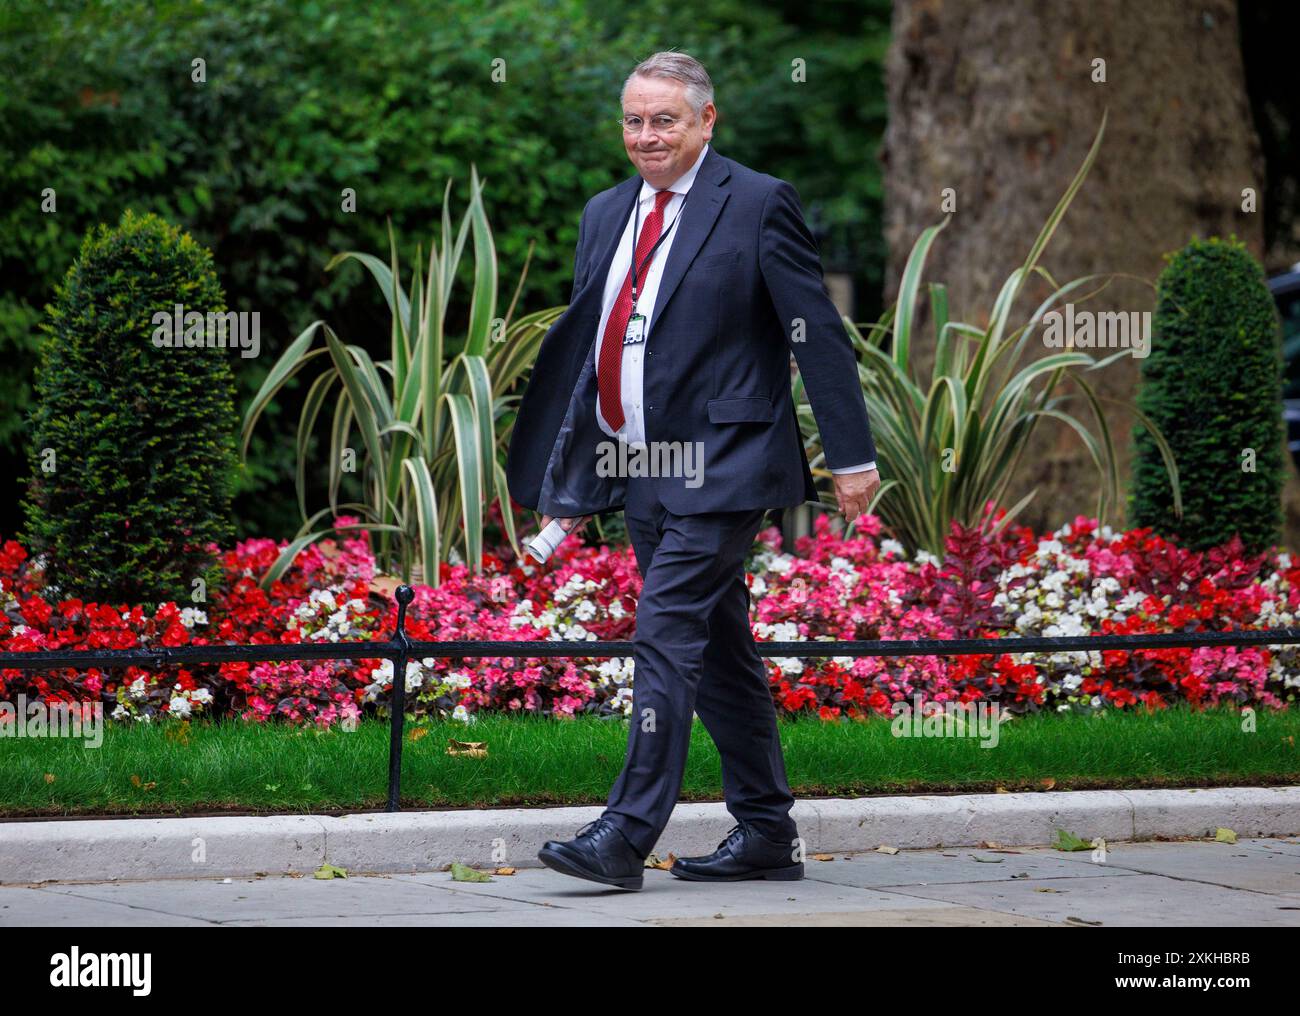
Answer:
[(661, 158)]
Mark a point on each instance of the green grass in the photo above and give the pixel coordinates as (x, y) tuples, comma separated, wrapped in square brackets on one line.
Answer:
[(232, 767)]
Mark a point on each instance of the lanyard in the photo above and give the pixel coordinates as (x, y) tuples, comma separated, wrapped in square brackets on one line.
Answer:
[(636, 229)]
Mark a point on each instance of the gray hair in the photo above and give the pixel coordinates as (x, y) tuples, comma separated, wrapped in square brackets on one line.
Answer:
[(678, 67)]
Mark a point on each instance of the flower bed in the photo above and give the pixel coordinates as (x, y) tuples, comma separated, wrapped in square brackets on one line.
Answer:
[(1077, 581)]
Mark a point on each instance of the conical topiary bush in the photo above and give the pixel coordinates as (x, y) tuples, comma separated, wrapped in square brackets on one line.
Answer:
[(1212, 383), (132, 446)]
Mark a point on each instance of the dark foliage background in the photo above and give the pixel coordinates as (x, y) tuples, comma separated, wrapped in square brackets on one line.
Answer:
[(393, 99)]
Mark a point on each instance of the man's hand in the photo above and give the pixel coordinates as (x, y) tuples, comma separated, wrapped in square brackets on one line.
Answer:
[(854, 492), (569, 525)]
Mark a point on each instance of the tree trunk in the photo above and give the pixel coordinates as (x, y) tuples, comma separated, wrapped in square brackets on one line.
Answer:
[(998, 102)]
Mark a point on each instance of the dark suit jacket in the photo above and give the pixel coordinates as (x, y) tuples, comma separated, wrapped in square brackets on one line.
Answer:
[(742, 268)]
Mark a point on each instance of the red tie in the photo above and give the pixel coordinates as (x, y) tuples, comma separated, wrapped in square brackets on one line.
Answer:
[(609, 367)]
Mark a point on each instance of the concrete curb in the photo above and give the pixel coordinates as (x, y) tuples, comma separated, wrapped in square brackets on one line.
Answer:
[(113, 849)]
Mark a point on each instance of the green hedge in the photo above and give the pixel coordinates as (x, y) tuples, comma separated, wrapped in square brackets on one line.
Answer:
[(1212, 384), (132, 445)]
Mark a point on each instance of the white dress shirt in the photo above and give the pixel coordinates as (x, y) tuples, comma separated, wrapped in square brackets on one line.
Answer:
[(632, 374)]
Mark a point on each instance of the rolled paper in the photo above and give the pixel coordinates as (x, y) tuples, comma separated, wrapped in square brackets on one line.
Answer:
[(543, 545)]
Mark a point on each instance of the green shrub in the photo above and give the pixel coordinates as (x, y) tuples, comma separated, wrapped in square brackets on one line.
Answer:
[(432, 419), (1212, 383), (948, 444), (140, 439)]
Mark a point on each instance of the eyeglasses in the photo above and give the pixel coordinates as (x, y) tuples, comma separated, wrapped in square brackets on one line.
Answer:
[(661, 123)]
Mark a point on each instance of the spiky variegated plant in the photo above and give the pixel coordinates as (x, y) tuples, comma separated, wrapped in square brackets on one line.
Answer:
[(431, 424), (947, 448)]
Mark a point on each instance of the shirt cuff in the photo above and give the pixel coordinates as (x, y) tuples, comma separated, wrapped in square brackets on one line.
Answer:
[(855, 469)]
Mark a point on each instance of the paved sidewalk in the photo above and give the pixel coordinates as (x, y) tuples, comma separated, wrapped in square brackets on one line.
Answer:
[(1254, 882), (409, 842)]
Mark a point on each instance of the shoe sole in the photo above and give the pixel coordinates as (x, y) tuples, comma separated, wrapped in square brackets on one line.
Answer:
[(793, 873), (556, 862)]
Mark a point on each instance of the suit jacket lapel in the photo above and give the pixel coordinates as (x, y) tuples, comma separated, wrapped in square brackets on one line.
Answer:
[(703, 204)]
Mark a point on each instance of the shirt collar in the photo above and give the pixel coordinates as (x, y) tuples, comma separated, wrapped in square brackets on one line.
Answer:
[(682, 184)]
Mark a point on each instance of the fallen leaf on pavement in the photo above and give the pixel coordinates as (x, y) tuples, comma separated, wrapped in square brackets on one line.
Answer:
[(1068, 841)]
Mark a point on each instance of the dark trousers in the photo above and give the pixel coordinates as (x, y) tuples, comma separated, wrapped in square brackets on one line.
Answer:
[(695, 653)]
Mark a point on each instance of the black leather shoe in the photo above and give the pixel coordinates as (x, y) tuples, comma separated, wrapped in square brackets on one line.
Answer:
[(599, 853), (744, 854)]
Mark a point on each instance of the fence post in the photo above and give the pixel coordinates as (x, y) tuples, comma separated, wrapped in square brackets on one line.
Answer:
[(397, 703)]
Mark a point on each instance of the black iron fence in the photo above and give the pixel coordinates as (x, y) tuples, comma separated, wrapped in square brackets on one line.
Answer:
[(400, 648)]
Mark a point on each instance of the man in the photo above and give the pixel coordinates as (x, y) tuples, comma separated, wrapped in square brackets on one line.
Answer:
[(689, 347)]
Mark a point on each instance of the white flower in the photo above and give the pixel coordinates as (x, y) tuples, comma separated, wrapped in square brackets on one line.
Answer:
[(121, 712), (1132, 601), (789, 664), (462, 715), (925, 557), (892, 547), (180, 707), (137, 690), (781, 563), (191, 616)]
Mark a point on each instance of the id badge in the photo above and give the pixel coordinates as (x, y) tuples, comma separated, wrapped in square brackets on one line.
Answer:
[(635, 330)]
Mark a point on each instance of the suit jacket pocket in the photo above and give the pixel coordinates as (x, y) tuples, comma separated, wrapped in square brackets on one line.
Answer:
[(726, 257), (746, 409)]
